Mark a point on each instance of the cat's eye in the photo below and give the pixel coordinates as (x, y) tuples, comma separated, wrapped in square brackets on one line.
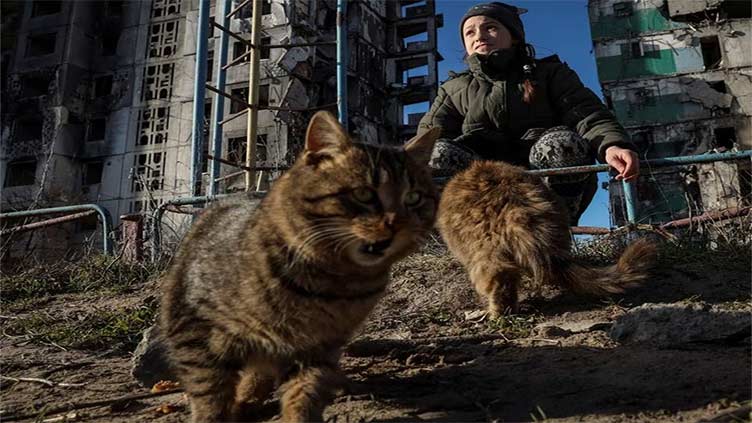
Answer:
[(364, 195), (412, 198)]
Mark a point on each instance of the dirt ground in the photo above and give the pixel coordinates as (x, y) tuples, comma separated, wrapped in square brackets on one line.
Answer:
[(425, 356)]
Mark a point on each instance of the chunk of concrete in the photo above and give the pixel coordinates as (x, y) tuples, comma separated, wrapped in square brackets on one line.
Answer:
[(150, 364), (679, 323)]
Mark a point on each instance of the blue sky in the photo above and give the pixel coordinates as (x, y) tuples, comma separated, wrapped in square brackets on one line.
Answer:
[(552, 27)]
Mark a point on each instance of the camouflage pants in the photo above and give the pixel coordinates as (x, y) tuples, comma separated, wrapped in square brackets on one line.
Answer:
[(556, 147)]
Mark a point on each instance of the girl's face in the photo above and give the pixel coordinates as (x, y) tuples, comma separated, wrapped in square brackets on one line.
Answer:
[(483, 35)]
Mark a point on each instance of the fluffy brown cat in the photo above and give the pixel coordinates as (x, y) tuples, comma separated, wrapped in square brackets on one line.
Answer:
[(255, 300), (502, 223)]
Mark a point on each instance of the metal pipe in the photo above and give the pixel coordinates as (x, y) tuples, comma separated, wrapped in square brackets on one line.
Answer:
[(103, 214), (223, 6), (589, 230), (250, 106), (156, 225), (156, 230), (253, 95), (729, 213), (241, 166), (342, 61), (45, 223), (664, 162), (199, 90), (630, 200)]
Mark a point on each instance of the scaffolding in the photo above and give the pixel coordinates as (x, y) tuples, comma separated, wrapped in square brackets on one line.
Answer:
[(252, 105)]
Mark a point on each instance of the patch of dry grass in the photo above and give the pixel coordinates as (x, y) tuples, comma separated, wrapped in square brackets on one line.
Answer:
[(94, 273), (94, 329)]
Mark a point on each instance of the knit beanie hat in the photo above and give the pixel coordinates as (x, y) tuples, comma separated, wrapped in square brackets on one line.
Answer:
[(506, 14)]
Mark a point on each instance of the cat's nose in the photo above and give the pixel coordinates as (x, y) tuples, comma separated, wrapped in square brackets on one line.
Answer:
[(377, 248)]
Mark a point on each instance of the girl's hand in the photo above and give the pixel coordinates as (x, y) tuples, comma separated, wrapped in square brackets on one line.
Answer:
[(624, 161)]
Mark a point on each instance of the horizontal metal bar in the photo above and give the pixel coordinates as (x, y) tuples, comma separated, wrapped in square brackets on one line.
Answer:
[(156, 231), (234, 116), (46, 223), (237, 60), (664, 162), (230, 96), (103, 214), (282, 109), (293, 45), (590, 230), (230, 175), (729, 213), (244, 167), (232, 34)]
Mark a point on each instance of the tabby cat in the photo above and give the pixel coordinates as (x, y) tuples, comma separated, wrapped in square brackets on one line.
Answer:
[(502, 223), (255, 300)]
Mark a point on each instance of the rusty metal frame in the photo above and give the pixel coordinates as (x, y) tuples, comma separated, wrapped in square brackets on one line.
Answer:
[(104, 217)]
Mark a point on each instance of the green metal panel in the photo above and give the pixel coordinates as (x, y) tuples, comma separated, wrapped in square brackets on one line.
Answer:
[(641, 21), (669, 204), (659, 62)]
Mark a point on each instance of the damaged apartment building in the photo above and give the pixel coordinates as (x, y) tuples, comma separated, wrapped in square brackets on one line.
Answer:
[(678, 75), (97, 95)]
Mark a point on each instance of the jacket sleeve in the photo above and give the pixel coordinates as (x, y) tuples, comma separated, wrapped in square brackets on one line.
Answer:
[(581, 109), (443, 114)]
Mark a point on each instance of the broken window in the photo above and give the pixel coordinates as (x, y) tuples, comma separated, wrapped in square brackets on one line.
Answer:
[(20, 172), (736, 9), (102, 86), (110, 41), (210, 65), (631, 50), (163, 39), (92, 173), (158, 82), (148, 172), (28, 128), (35, 85), (263, 98), (623, 8), (261, 149), (153, 125), (239, 49), (96, 130), (40, 45), (711, 52), (164, 8), (236, 149), (46, 7), (265, 50), (725, 137), (240, 93), (246, 12), (113, 8)]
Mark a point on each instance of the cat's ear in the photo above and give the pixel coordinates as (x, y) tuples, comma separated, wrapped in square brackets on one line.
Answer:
[(420, 146), (325, 133)]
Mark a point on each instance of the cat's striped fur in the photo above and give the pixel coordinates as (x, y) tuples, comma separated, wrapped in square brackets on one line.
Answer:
[(503, 224), (257, 300)]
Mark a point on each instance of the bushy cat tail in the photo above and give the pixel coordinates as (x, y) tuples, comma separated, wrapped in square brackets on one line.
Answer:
[(630, 270)]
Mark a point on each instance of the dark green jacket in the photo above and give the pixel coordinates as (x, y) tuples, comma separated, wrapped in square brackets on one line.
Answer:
[(487, 101)]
